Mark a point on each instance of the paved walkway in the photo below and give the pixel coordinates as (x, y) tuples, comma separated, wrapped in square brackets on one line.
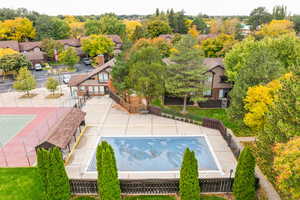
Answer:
[(105, 118)]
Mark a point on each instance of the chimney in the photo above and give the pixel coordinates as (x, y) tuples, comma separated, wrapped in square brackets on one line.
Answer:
[(100, 59)]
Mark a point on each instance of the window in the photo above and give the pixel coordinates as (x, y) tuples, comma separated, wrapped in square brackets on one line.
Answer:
[(103, 77), (101, 89), (223, 79), (82, 88), (207, 92)]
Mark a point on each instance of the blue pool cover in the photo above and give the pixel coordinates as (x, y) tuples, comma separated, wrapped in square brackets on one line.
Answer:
[(157, 153)]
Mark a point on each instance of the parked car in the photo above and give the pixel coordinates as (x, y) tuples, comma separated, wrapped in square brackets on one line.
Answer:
[(66, 78), (86, 61), (38, 67)]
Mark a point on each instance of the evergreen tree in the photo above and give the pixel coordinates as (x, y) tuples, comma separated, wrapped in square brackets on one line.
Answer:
[(244, 181), (58, 183), (185, 73), (189, 183), (42, 165), (181, 27), (108, 182), (172, 20)]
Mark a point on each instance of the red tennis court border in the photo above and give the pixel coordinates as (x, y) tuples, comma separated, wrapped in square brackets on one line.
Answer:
[(20, 150)]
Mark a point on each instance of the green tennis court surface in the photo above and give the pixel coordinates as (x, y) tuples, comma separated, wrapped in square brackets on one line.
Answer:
[(11, 125)]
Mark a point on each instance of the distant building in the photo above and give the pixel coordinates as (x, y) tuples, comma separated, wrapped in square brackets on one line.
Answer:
[(245, 29)]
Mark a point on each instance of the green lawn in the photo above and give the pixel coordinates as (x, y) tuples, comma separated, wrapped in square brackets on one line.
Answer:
[(20, 184), (207, 197), (237, 127)]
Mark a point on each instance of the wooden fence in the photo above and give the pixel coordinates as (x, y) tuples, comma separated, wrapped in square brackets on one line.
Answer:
[(153, 186)]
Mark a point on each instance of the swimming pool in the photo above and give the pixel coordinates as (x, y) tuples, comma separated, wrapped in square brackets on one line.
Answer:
[(157, 153)]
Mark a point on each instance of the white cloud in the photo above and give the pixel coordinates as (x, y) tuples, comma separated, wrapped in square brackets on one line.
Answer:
[(210, 7)]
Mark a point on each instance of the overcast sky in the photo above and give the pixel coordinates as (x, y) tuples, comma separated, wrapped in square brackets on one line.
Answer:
[(193, 7)]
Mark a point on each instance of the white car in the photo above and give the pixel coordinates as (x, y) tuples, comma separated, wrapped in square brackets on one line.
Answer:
[(66, 78), (38, 67)]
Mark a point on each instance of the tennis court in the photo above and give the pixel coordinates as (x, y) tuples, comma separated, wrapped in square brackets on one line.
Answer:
[(11, 125), (22, 129)]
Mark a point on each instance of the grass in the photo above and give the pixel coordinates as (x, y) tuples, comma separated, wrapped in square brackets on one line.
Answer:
[(20, 184), (237, 127), (150, 197), (209, 197)]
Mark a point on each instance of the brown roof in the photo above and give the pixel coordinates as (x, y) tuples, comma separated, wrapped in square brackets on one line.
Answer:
[(10, 44), (70, 42), (76, 80), (61, 134), (168, 37), (34, 55), (27, 46), (206, 36), (115, 38)]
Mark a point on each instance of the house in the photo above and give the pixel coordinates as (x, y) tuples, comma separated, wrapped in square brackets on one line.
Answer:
[(219, 86), (10, 44), (33, 52), (94, 83)]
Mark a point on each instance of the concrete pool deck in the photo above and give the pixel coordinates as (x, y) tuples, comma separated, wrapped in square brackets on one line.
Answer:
[(106, 118)]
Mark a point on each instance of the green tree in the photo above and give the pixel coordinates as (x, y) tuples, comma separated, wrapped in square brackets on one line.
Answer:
[(189, 188), (43, 166), (25, 81), (185, 72), (51, 27), (200, 24), (50, 46), (147, 73), (296, 20), (139, 33), (279, 12), (97, 44), (58, 187), (108, 182), (157, 27), (258, 17), (107, 24), (13, 62), (69, 57), (52, 84), (260, 67), (244, 180)]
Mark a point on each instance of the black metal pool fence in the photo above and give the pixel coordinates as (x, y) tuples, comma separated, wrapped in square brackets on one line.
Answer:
[(154, 186)]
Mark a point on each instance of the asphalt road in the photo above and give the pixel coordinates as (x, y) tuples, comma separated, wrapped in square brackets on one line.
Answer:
[(41, 77)]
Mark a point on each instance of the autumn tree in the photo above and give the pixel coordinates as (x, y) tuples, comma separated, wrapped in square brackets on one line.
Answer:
[(25, 81), (276, 28), (163, 45), (20, 29), (139, 32), (259, 16), (77, 29), (200, 25), (52, 84), (218, 46), (50, 46), (287, 168), (156, 28), (69, 57), (13, 62), (131, 26), (97, 44), (185, 72), (193, 31), (244, 180), (7, 51), (51, 27), (147, 73)]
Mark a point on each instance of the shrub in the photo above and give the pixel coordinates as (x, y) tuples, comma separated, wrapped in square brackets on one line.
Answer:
[(84, 198), (150, 197), (189, 183), (244, 181), (108, 182)]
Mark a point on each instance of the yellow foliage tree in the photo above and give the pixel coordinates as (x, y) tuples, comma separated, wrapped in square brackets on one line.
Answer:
[(131, 26), (276, 28), (287, 168), (258, 100), (163, 45), (77, 29), (7, 51), (70, 19), (188, 23), (193, 31), (20, 29)]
